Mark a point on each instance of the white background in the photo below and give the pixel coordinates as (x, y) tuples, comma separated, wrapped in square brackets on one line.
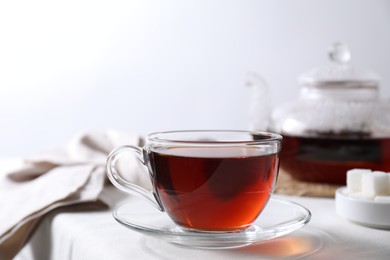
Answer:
[(144, 66)]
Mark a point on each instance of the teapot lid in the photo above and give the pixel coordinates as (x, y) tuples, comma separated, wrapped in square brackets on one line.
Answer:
[(340, 73)]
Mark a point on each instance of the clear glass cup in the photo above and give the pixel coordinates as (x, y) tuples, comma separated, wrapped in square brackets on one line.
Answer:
[(205, 180)]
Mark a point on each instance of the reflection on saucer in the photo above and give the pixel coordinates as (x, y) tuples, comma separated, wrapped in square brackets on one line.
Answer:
[(303, 243)]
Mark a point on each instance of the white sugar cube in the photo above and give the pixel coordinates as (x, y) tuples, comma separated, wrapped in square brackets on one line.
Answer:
[(354, 179), (360, 196), (375, 183), (388, 183), (382, 199), (385, 179)]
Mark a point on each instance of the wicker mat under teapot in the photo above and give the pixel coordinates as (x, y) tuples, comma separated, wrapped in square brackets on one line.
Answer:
[(288, 186)]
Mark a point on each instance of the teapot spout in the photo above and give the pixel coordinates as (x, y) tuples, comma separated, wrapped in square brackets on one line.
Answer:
[(259, 108)]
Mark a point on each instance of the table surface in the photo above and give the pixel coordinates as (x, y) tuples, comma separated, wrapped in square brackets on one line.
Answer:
[(96, 235)]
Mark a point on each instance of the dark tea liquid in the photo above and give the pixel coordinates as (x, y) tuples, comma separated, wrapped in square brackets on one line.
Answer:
[(214, 189), (327, 160)]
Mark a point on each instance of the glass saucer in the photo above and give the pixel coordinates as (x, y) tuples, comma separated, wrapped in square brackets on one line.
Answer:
[(279, 218)]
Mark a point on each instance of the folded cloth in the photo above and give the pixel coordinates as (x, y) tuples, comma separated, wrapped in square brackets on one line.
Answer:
[(67, 176)]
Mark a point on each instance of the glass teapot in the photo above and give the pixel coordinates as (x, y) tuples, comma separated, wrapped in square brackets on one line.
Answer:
[(338, 123)]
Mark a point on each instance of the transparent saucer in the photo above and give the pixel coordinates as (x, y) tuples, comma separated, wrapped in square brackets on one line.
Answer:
[(279, 218)]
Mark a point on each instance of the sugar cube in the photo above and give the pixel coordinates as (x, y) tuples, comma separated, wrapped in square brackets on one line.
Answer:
[(360, 196), (354, 179), (382, 199), (375, 183), (388, 185)]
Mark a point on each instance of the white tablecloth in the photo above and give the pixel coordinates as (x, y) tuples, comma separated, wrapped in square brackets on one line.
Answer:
[(96, 235)]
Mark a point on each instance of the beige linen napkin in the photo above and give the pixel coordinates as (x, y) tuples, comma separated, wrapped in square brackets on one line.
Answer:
[(68, 176)]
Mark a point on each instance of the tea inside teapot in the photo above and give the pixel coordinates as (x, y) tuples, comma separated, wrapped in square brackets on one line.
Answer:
[(338, 123)]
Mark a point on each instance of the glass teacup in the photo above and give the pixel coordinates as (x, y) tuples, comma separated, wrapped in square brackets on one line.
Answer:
[(206, 180)]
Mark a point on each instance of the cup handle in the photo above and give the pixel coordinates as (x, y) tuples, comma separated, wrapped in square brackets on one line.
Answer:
[(124, 185)]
